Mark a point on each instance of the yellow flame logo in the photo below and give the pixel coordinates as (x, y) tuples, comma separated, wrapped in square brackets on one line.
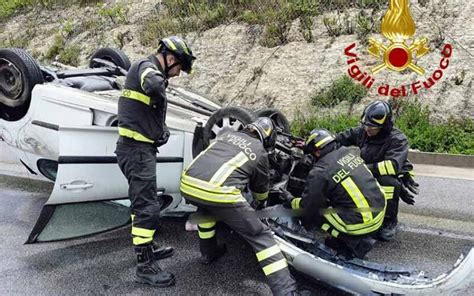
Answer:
[(398, 26), (397, 22)]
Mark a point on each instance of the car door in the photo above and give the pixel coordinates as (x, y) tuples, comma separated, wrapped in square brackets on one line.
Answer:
[(90, 194)]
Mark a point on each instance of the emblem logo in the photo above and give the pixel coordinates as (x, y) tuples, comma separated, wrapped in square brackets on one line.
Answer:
[(397, 52), (398, 27)]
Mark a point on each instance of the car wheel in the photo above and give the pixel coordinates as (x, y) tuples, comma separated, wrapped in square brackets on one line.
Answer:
[(114, 55), (19, 73), (277, 117), (231, 118)]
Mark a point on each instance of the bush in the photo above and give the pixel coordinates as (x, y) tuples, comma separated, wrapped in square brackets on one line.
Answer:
[(9, 8), (182, 16), (343, 89), (302, 126), (453, 136)]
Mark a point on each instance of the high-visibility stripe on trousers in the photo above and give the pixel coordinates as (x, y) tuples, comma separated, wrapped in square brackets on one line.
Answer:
[(257, 234)]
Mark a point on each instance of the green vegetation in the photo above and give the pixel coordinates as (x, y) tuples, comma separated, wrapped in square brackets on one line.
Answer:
[(116, 13), (65, 53), (276, 16), (343, 89), (9, 8), (453, 136)]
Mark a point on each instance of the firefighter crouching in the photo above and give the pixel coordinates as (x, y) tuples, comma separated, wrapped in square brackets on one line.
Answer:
[(385, 150), (340, 196), (214, 182)]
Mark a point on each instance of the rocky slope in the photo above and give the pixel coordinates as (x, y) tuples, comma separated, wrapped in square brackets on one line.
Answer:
[(234, 69)]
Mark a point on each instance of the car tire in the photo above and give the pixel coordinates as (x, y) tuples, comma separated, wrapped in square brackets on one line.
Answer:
[(223, 120), (277, 117), (114, 55), (19, 73)]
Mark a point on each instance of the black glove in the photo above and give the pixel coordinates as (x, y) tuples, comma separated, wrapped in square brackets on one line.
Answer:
[(409, 188), (410, 183), (407, 196), (164, 137), (285, 195)]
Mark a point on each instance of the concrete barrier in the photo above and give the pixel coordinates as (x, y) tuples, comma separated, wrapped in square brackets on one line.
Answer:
[(437, 159), (442, 159)]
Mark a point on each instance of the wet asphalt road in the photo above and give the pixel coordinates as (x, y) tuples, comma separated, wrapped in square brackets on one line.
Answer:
[(104, 264)]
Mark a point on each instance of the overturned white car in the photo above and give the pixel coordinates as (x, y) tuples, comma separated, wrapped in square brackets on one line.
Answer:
[(62, 126)]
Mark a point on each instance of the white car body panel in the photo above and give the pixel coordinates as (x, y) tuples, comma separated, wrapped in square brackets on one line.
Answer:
[(79, 182)]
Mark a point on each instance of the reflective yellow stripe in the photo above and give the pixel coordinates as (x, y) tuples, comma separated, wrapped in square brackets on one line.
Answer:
[(134, 95), (328, 138), (356, 229), (411, 173), (183, 45), (274, 267), (169, 43), (141, 240), (325, 227), (199, 155), (134, 135), (210, 196), (335, 233), (382, 170), (357, 197), (143, 232), (200, 184), (207, 224), (295, 203), (227, 168), (144, 74), (388, 191), (260, 196), (267, 253), (207, 234), (310, 138), (390, 168), (133, 217)]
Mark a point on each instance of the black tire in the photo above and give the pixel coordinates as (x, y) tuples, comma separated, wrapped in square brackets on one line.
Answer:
[(19, 73), (225, 119), (114, 55), (278, 118)]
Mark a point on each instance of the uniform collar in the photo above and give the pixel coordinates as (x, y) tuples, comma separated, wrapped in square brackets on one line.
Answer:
[(156, 62)]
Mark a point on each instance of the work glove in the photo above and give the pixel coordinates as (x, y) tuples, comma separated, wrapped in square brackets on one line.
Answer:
[(285, 195), (164, 137), (290, 202), (409, 188), (410, 183), (407, 196)]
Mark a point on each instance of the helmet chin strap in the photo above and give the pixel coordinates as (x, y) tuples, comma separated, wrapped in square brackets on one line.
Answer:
[(168, 67)]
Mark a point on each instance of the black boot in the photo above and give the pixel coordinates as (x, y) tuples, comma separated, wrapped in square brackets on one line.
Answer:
[(339, 246), (148, 270), (364, 246), (387, 232), (209, 256), (161, 252)]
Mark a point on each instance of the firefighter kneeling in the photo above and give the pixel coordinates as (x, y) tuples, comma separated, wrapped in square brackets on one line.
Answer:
[(341, 196), (214, 182)]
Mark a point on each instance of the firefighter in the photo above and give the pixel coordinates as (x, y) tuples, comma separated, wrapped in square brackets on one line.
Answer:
[(340, 196), (385, 150), (142, 128), (215, 182)]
